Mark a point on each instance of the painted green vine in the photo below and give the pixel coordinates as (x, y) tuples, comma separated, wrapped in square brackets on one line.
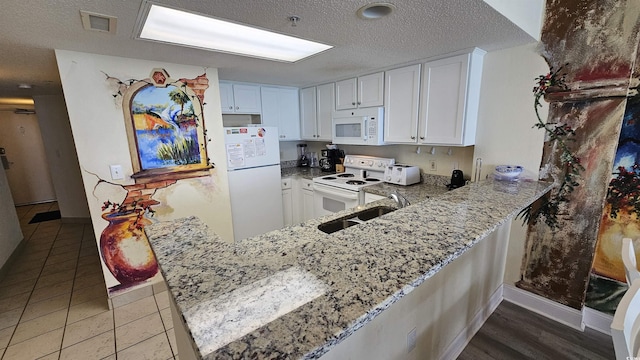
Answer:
[(561, 135)]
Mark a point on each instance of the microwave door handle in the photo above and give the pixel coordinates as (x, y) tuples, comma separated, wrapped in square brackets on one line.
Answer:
[(365, 134)]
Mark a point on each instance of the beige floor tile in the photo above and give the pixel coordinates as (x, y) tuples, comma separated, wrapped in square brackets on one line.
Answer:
[(88, 280), (36, 347), (138, 331), (12, 279), (38, 326), (162, 299), (10, 318), (29, 266), (88, 260), (87, 309), (171, 334), (154, 348), (17, 289), (87, 328), (89, 293), (96, 347), (135, 310), (71, 248), (89, 269), (55, 278), (14, 302), (165, 314), (110, 357), (61, 266), (56, 259), (52, 356), (5, 336), (44, 307), (51, 291)]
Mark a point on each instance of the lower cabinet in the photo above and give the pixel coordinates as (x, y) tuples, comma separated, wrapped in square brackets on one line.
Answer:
[(287, 202), (306, 199)]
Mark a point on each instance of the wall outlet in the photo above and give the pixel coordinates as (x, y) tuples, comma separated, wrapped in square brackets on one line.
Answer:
[(454, 165), (433, 166), (411, 340), (116, 172)]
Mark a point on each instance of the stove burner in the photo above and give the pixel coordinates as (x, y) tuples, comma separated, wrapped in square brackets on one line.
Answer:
[(372, 179), (355, 182), (329, 178), (345, 175)]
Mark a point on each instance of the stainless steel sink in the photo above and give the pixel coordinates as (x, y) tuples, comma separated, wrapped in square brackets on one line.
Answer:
[(354, 219)]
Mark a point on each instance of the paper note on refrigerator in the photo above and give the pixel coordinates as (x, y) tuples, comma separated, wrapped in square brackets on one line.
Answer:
[(235, 155)]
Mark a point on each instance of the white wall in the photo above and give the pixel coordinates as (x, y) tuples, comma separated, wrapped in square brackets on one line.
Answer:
[(10, 233), (97, 123), (505, 134), (61, 156)]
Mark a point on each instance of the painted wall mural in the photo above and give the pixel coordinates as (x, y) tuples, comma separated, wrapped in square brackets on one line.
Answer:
[(167, 142), (596, 42)]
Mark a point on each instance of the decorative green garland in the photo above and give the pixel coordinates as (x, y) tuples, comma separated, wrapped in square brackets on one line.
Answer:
[(561, 134)]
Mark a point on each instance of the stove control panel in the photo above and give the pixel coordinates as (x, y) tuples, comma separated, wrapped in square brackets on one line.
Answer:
[(367, 162)]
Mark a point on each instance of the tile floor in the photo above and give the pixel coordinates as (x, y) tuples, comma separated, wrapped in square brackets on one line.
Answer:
[(53, 302)]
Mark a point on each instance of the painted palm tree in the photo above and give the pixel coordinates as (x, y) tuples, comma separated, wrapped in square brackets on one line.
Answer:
[(179, 97)]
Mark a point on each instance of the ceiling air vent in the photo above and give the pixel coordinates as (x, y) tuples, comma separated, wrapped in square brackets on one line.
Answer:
[(98, 22)]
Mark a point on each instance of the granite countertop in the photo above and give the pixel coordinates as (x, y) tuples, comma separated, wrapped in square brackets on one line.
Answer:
[(303, 172), (297, 292), (414, 193)]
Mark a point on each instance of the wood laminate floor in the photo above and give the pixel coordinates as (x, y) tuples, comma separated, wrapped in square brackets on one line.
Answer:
[(512, 332)]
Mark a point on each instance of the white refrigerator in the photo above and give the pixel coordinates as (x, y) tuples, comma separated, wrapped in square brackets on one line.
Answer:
[(253, 165)]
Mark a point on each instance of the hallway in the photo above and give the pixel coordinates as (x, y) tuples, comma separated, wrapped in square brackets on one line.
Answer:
[(53, 301)]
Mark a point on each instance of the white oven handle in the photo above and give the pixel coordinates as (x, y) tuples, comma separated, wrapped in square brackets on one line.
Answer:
[(335, 192)]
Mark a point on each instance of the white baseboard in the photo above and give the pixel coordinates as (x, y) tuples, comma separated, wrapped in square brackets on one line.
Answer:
[(543, 306), (597, 320), (462, 339)]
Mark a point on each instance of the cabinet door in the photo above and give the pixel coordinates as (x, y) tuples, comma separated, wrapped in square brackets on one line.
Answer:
[(246, 99), (325, 107), (289, 123), (226, 98), (371, 90), (346, 95), (287, 206), (443, 100), (308, 113), (280, 109), (402, 87), (307, 204)]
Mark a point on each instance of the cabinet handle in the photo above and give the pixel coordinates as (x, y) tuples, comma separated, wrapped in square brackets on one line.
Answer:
[(230, 107), (237, 107), (353, 103), (421, 137), (359, 103), (413, 138)]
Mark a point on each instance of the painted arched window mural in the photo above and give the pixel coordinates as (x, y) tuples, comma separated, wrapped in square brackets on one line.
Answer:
[(165, 127)]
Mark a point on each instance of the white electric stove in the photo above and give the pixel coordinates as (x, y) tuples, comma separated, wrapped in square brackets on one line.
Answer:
[(337, 192)]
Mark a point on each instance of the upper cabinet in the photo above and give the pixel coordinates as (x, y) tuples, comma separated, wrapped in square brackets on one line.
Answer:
[(364, 91), (316, 108), (402, 97), (280, 109), (240, 98), (450, 98)]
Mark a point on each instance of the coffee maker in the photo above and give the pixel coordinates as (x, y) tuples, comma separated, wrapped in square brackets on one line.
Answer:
[(329, 159)]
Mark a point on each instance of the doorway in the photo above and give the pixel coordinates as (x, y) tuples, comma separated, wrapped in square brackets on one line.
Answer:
[(24, 159)]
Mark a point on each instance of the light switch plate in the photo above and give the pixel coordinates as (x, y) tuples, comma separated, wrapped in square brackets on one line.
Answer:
[(116, 172)]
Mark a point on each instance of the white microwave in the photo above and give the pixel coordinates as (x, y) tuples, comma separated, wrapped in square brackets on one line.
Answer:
[(359, 126)]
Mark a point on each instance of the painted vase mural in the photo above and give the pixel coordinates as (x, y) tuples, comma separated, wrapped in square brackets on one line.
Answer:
[(125, 248)]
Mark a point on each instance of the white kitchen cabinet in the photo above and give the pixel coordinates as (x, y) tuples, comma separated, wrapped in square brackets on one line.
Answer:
[(364, 91), (402, 99), (280, 109), (369, 198), (287, 201), (240, 98), (316, 108), (450, 99), (306, 192)]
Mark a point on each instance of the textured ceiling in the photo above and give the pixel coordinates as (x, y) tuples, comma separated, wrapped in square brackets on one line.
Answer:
[(418, 29)]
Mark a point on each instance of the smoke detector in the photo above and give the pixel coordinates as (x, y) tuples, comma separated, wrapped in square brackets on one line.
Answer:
[(98, 22)]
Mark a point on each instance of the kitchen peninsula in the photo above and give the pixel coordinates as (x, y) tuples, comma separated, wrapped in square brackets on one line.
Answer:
[(300, 293)]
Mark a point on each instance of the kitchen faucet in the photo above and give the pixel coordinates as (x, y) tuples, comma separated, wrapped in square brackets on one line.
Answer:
[(399, 199)]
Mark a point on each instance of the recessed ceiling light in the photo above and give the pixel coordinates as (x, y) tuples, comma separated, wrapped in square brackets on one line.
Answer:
[(375, 10), (188, 29), (98, 22)]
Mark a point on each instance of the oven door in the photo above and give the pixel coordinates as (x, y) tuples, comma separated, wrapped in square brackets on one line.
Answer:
[(328, 199)]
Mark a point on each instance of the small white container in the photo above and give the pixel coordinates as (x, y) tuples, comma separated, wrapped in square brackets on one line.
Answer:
[(507, 172)]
